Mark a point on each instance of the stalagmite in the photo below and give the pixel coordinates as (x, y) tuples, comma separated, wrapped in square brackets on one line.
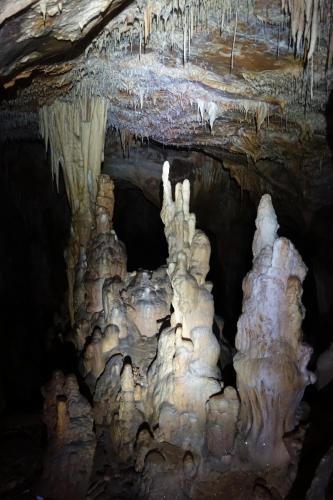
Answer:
[(271, 359), (233, 44), (185, 374), (129, 418), (104, 257), (222, 416), (70, 454), (151, 361), (147, 342)]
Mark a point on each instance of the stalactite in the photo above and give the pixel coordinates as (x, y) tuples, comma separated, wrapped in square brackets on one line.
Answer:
[(212, 113), (184, 38), (43, 9), (306, 23), (330, 49), (262, 111), (76, 134), (233, 44)]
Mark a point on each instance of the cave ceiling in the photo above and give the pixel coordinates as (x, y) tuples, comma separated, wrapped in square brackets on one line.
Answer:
[(246, 82)]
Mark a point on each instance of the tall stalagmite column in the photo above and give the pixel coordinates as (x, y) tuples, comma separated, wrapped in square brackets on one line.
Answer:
[(185, 373), (271, 359), (76, 133)]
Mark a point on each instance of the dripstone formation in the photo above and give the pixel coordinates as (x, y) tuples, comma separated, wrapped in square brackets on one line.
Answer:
[(147, 352)]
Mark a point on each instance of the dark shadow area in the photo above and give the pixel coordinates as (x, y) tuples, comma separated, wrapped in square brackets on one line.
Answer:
[(316, 248), (34, 229), (138, 225)]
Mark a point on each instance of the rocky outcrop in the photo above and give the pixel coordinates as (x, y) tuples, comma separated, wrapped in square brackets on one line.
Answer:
[(271, 359)]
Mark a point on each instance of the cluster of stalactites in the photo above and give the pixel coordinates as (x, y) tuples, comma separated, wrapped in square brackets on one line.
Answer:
[(76, 134), (307, 19), (170, 17)]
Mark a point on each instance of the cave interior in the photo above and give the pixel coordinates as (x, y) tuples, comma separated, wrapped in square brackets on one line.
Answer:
[(166, 190)]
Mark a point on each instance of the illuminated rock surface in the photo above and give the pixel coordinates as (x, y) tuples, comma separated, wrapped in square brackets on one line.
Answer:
[(271, 360)]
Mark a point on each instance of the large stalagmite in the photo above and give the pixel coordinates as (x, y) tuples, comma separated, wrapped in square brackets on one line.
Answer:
[(271, 359), (185, 373)]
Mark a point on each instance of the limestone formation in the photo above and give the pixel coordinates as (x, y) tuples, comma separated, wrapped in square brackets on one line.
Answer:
[(97, 365), (148, 299), (69, 458), (102, 259), (114, 309), (106, 404), (244, 83), (222, 417), (111, 339), (76, 133), (185, 373), (271, 359), (151, 360), (106, 256), (129, 418)]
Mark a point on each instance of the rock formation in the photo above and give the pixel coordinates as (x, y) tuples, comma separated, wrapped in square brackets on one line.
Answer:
[(271, 359), (148, 299), (50, 393), (128, 420), (221, 429), (76, 133), (244, 83), (150, 358), (185, 373), (69, 459)]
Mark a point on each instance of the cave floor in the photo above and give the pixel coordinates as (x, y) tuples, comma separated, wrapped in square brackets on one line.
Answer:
[(21, 454)]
